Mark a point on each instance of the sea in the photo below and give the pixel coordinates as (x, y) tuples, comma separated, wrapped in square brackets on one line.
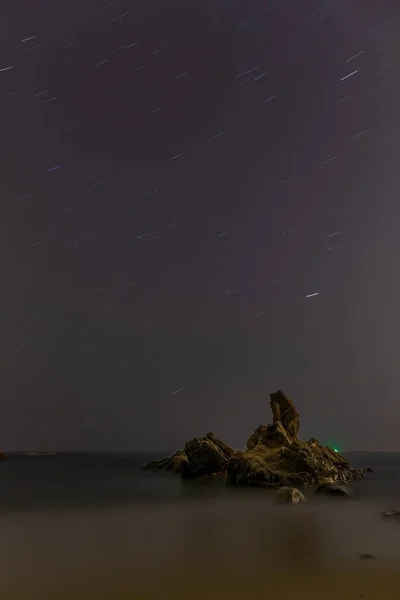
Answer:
[(97, 526)]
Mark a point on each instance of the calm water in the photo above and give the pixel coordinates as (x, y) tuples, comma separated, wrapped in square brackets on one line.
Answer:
[(96, 526)]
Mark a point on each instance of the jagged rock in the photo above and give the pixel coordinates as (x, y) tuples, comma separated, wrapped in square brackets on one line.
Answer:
[(285, 412), (299, 463), (271, 436), (206, 456), (252, 468), (201, 456), (275, 456), (221, 445), (172, 463), (289, 495), (333, 489)]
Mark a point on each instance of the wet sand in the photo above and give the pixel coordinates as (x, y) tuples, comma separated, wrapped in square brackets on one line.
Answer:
[(244, 548), (369, 582)]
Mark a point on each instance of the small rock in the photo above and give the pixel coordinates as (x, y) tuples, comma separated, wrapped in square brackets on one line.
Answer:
[(289, 495), (394, 513), (333, 489), (366, 556)]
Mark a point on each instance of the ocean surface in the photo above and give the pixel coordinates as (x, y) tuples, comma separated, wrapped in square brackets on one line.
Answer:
[(96, 526)]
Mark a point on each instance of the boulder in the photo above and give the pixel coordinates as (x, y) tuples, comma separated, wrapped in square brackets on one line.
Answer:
[(289, 495), (333, 489), (206, 456), (275, 456), (201, 456)]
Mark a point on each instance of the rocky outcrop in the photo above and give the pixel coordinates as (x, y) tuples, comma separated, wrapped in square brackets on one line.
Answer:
[(275, 455), (201, 456)]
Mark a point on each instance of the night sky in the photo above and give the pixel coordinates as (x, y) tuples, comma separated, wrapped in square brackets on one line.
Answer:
[(199, 204)]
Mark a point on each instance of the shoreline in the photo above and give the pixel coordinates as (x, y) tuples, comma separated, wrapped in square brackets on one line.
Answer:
[(370, 580)]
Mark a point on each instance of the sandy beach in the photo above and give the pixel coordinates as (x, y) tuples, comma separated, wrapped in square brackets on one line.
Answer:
[(372, 580), (216, 549)]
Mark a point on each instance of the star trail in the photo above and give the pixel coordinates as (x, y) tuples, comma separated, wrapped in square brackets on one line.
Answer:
[(184, 184)]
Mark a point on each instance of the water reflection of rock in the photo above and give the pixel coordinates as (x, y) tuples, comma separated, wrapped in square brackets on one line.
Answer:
[(296, 538), (251, 534), (204, 535)]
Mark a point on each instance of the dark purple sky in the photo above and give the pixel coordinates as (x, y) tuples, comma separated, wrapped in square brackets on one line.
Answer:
[(176, 177)]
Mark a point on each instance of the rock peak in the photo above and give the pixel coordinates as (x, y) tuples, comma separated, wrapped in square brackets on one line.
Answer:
[(285, 412)]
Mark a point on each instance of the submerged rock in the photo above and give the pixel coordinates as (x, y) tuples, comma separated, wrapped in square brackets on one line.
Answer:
[(393, 514), (172, 463), (366, 556), (275, 455), (201, 456), (333, 489), (289, 495)]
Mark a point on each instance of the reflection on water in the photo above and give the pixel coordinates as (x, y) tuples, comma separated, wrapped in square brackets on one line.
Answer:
[(243, 542), (96, 527)]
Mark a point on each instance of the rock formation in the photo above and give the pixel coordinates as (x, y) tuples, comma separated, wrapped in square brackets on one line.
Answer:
[(201, 456), (275, 456)]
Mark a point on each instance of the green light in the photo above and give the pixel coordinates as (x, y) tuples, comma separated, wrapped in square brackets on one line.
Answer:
[(334, 446)]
